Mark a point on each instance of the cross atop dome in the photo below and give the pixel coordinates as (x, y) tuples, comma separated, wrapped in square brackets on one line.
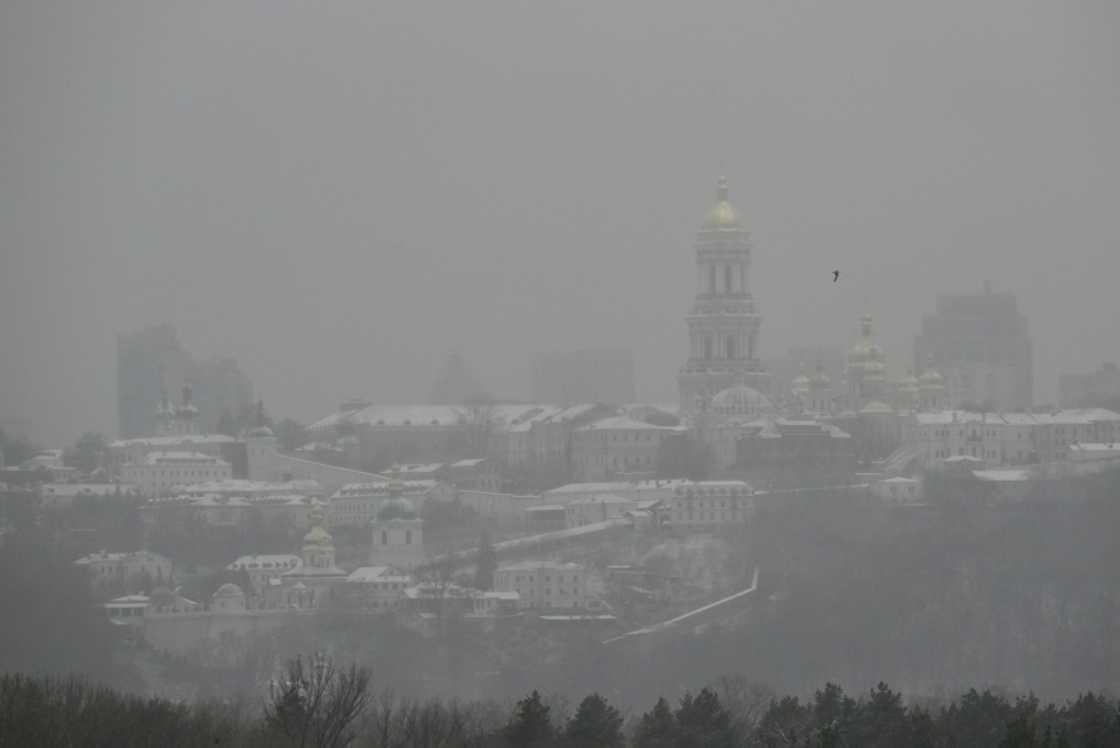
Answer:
[(722, 215)]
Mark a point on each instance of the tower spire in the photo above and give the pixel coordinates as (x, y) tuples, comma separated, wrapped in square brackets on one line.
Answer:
[(721, 189)]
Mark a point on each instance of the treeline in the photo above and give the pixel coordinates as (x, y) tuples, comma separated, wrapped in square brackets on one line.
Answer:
[(318, 704)]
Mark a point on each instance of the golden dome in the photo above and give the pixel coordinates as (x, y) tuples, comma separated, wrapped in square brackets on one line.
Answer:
[(820, 378), (865, 350), (317, 536), (722, 215), (800, 384), (931, 377), (909, 383)]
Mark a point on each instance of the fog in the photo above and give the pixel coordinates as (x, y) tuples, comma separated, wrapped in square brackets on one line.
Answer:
[(339, 194)]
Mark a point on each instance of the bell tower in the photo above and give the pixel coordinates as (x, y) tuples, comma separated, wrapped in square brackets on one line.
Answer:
[(724, 321)]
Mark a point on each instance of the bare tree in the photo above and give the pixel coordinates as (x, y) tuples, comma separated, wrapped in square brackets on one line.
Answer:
[(315, 704)]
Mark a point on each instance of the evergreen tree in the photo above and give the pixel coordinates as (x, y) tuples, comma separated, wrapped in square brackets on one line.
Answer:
[(657, 728), (702, 722), (596, 724), (531, 726)]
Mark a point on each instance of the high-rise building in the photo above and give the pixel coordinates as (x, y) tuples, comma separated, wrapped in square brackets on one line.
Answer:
[(594, 375), (981, 345), (724, 321), (152, 363), (1094, 388)]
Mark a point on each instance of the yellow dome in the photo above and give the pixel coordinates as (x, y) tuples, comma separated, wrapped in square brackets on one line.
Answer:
[(865, 350), (722, 216), (931, 377), (820, 378), (317, 536)]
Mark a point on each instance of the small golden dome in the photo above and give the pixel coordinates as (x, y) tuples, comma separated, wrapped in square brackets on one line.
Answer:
[(722, 215)]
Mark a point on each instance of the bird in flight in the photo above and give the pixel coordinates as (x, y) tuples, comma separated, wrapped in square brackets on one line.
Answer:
[(835, 275)]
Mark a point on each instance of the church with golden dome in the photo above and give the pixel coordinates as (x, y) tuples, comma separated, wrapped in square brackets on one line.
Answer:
[(724, 320)]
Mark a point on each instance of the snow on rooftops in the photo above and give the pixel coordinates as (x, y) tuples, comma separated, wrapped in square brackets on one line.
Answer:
[(1003, 476), (243, 487), (168, 458), (541, 565), (87, 489), (368, 574), (173, 441), (1095, 447), (580, 488), (602, 498), (625, 423), (381, 488), (277, 561), (1068, 416)]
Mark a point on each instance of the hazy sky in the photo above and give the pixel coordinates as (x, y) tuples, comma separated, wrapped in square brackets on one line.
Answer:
[(338, 193)]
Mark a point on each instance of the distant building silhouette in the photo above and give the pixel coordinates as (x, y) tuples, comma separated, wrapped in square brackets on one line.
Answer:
[(1090, 389), (455, 383), (152, 363), (593, 375), (981, 345)]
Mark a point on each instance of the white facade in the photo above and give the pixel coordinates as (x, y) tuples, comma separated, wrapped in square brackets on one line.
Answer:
[(159, 472), (263, 568), (357, 504), (125, 569), (1009, 438), (592, 509), (617, 446), (640, 490), (544, 584), (706, 505)]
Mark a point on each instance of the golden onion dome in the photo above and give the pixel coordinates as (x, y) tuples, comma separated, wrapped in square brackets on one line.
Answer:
[(317, 537), (909, 383), (865, 349), (722, 215), (931, 377), (820, 378)]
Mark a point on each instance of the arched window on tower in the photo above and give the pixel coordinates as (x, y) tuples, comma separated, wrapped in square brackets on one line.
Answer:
[(711, 279), (731, 352), (408, 537), (384, 537), (727, 279), (708, 353)]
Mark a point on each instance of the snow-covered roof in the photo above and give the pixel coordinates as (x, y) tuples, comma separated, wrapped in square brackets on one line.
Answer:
[(625, 423), (162, 458), (1066, 417), (266, 561), (357, 490), (128, 601), (87, 489), (105, 556), (603, 498), (537, 565), (610, 487), (173, 440), (366, 574), (1006, 475), (241, 486)]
